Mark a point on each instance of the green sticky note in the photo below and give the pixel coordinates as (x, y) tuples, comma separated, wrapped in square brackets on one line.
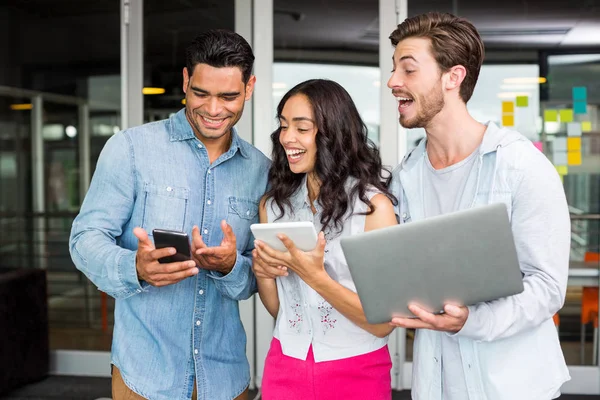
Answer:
[(522, 101), (551, 116), (566, 115)]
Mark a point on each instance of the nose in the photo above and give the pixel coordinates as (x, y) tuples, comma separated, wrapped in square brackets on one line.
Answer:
[(395, 81), (287, 136), (214, 107)]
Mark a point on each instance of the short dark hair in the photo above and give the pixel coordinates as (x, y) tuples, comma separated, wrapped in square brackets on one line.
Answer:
[(344, 151), (454, 41), (220, 48)]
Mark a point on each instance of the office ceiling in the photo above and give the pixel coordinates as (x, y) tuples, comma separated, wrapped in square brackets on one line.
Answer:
[(49, 43), (352, 24)]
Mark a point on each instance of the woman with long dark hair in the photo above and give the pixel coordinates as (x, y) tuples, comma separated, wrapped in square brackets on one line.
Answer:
[(325, 170)]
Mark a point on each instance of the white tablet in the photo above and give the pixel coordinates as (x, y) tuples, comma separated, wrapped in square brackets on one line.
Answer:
[(303, 234)]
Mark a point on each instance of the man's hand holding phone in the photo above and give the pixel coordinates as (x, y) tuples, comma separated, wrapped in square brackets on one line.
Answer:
[(152, 271), (220, 258)]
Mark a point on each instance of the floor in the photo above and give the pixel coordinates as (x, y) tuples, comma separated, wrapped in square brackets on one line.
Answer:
[(76, 322), (78, 388)]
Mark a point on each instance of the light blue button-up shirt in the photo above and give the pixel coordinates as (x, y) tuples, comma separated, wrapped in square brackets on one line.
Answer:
[(159, 176)]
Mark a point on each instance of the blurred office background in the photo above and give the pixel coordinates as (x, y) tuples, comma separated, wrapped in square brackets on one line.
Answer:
[(75, 72)]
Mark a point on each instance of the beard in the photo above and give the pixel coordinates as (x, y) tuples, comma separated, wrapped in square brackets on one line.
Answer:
[(192, 116), (429, 106)]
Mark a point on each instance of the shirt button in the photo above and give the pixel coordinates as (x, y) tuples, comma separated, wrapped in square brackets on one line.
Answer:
[(169, 189), (208, 202), (206, 231), (209, 171), (195, 351), (199, 145), (404, 215), (198, 323), (201, 291)]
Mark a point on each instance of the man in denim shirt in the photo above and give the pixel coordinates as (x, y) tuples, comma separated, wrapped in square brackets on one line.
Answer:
[(178, 333), (502, 349)]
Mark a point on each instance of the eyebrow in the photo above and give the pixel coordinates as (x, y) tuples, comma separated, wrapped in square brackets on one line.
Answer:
[(297, 119), (404, 58), (226, 94)]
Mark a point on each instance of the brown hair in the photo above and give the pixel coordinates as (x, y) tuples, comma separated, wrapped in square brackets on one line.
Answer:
[(454, 41)]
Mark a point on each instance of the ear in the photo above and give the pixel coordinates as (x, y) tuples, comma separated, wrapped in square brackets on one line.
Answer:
[(455, 76), (250, 87), (186, 79)]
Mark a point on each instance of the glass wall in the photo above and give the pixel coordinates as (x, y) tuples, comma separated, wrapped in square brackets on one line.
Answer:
[(65, 60), (572, 141)]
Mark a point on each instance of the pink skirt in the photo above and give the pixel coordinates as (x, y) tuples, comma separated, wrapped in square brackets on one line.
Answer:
[(361, 377)]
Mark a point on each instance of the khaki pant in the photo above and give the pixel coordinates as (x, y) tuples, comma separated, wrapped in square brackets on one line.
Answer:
[(120, 391)]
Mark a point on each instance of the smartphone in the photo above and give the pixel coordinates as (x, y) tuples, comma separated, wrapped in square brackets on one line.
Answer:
[(179, 240)]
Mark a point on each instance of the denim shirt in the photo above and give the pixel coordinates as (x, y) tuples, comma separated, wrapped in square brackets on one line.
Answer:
[(158, 175), (509, 347)]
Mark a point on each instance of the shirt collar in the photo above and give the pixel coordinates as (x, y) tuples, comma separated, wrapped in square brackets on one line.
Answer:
[(182, 130), (300, 197)]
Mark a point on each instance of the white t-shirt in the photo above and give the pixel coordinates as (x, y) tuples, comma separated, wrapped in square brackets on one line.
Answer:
[(442, 191)]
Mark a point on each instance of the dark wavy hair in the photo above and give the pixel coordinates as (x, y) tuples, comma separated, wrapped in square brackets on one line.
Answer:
[(343, 151), (220, 48)]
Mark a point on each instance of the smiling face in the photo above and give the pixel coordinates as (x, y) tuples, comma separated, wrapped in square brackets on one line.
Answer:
[(215, 100), (416, 82), (298, 133)]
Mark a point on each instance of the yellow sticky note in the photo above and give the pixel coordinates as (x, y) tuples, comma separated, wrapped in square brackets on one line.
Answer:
[(586, 126), (551, 116), (566, 115), (508, 107), (574, 158), (574, 144), (562, 170), (508, 120)]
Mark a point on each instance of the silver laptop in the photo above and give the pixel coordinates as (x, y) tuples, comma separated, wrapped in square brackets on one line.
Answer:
[(464, 257)]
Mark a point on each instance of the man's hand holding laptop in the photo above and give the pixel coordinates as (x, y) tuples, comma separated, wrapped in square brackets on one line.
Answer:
[(451, 320)]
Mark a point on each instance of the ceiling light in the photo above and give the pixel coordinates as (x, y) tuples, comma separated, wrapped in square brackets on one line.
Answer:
[(519, 86), (512, 95), (153, 90), (532, 79), (21, 107), (71, 131)]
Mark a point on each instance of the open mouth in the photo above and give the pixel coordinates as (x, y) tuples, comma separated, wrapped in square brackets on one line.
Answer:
[(213, 122), (294, 154), (404, 102)]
